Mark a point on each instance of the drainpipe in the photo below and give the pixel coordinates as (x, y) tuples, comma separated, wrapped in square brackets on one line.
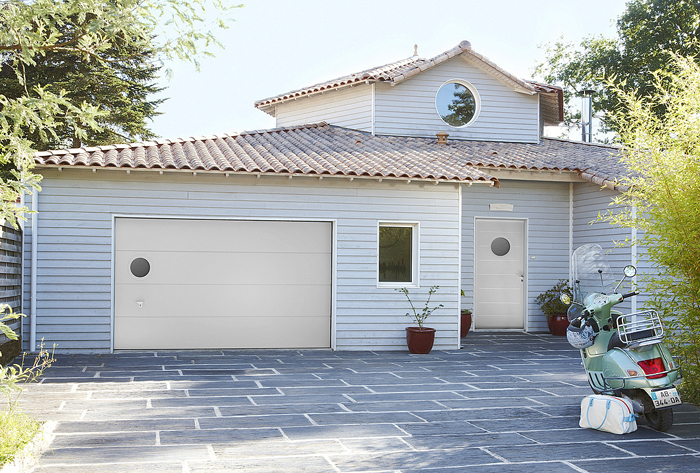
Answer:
[(32, 299)]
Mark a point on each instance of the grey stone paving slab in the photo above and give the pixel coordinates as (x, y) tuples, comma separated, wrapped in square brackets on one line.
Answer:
[(212, 384), (103, 439), (430, 442), (397, 406), (433, 387), (266, 465), (647, 464), (364, 418), (576, 435), (302, 399), (142, 466), (321, 390), (234, 392), (278, 449), (385, 444), (540, 467), (201, 401), (219, 436), (130, 453), (440, 428), (520, 413), (526, 425), (406, 396), (281, 409), (522, 453), (138, 394), (642, 448), (125, 425), (693, 445), (412, 460), (342, 431), (240, 422), (153, 413), (502, 402)]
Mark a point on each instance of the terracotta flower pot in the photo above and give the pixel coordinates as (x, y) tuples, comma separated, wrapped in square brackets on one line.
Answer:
[(465, 325), (420, 340), (557, 324)]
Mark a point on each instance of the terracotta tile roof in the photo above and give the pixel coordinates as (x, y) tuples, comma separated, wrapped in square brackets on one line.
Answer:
[(322, 150), (404, 69)]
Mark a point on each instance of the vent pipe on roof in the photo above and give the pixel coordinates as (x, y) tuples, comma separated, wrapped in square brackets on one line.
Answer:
[(586, 115), (442, 137), (415, 50)]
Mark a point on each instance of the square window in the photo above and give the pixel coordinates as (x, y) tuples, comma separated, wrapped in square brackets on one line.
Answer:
[(397, 254)]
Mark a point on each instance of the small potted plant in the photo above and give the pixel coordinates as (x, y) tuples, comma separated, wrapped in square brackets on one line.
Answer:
[(465, 323), (554, 309), (420, 339), (466, 320)]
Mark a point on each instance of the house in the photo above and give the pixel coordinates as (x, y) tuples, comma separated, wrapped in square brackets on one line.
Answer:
[(418, 173)]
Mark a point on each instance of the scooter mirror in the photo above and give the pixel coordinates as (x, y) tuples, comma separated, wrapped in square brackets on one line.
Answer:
[(565, 298), (630, 271)]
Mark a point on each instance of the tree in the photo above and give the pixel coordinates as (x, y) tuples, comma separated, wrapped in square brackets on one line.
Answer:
[(106, 35), (646, 32), (120, 84), (661, 138)]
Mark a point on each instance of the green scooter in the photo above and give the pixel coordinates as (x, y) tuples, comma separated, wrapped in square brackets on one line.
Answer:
[(623, 354)]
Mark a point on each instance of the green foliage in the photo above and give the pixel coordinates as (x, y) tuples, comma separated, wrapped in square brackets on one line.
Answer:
[(16, 428), (550, 301), (117, 38), (419, 317), (16, 431), (646, 32), (663, 154)]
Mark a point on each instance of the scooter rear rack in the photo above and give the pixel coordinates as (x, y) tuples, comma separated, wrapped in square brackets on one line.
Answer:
[(640, 328)]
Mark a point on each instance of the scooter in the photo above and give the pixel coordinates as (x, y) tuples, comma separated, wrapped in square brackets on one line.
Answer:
[(623, 354)]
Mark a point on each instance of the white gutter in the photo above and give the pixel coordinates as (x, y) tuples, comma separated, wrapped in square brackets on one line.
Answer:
[(32, 319)]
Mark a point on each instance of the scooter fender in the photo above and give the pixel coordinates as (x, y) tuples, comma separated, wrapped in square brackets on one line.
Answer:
[(622, 371)]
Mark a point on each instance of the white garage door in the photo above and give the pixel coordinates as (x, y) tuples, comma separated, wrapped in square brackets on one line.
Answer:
[(221, 284)]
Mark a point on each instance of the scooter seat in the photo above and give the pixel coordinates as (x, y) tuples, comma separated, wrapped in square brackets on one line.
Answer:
[(615, 342)]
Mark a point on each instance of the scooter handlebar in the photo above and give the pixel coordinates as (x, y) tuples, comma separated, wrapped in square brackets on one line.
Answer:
[(630, 294)]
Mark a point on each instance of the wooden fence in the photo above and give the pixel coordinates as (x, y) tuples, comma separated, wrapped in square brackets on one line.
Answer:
[(10, 274)]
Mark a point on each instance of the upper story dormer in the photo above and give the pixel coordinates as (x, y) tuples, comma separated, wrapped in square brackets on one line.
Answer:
[(459, 92)]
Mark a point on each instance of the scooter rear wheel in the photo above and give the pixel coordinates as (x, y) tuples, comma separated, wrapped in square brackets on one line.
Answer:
[(660, 420)]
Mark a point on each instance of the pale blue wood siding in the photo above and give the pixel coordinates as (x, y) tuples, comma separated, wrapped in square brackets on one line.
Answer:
[(350, 107), (75, 245), (589, 201), (408, 109), (545, 206)]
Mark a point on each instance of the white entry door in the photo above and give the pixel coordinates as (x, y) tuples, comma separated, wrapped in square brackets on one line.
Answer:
[(222, 284), (500, 274)]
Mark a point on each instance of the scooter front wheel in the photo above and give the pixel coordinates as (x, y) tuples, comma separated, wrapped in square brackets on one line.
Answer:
[(660, 420)]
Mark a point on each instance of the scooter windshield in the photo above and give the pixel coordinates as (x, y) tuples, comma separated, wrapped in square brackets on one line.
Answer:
[(591, 272)]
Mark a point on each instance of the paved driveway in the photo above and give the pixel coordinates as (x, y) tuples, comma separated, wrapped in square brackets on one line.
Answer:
[(504, 403)]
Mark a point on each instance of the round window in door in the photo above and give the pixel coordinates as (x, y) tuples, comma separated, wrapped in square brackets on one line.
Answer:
[(140, 267), (500, 246)]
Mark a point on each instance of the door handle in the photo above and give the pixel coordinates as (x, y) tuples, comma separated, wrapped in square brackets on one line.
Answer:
[(522, 278)]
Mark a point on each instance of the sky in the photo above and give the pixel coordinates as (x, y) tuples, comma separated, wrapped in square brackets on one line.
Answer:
[(276, 46)]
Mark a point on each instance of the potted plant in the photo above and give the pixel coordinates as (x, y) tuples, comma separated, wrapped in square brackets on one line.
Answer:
[(554, 309), (466, 320), (420, 339)]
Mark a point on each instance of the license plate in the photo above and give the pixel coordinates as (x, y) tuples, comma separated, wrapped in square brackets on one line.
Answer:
[(665, 398)]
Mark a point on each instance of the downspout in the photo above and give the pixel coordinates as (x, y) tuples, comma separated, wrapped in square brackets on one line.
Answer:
[(634, 255), (459, 266), (571, 231), (373, 108), (32, 298)]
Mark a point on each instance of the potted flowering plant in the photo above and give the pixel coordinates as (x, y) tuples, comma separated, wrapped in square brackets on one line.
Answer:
[(420, 339), (554, 309)]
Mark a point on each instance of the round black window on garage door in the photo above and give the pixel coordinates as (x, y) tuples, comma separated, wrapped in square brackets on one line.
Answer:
[(500, 246), (140, 267)]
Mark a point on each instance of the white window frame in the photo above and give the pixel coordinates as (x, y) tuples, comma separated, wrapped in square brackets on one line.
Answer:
[(415, 255), (475, 94)]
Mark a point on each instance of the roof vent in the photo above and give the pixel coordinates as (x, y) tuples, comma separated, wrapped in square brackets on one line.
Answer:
[(442, 137)]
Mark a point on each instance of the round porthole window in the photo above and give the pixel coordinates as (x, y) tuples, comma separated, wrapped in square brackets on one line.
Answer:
[(457, 103), (140, 267), (500, 246)]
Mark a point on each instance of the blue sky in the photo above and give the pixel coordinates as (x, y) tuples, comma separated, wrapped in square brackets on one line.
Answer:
[(280, 45)]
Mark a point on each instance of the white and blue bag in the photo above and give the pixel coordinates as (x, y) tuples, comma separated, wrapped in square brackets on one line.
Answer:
[(607, 413)]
